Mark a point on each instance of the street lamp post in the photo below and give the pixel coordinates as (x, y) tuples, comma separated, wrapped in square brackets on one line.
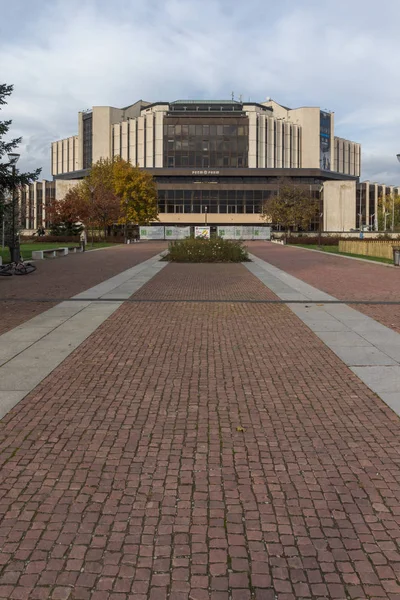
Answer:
[(371, 219), (320, 214), (205, 215), (91, 190), (14, 246)]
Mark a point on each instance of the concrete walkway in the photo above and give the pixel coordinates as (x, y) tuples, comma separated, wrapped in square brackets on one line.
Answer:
[(201, 443), (30, 352), (370, 349)]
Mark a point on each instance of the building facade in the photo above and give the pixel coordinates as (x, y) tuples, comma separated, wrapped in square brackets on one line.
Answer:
[(223, 158)]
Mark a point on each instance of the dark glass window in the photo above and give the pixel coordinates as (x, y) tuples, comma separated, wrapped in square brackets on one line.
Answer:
[(87, 139), (218, 142)]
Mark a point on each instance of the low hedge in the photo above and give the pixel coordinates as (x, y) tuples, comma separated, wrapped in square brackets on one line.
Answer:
[(197, 250)]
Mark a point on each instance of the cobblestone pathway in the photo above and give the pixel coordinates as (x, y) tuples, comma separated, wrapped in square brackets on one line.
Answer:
[(65, 277), (200, 451), (343, 278)]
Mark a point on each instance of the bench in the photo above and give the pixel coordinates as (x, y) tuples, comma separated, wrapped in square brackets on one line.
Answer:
[(53, 252)]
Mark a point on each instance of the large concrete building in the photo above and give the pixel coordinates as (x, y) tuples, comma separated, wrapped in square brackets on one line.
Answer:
[(221, 157)]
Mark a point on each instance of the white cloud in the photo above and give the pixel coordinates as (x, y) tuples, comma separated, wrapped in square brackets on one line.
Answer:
[(78, 54)]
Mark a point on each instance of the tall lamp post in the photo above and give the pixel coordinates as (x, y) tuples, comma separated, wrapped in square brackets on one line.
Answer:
[(91, 190), (320, 214), (14, 246), (205, 215)]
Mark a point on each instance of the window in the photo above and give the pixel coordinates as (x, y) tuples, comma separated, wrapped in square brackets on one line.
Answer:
[(215, 142)]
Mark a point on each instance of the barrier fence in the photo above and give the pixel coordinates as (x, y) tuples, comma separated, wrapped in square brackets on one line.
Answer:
[(230, 232)]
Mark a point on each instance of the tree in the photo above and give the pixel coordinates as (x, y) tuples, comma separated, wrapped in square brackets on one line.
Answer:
[(67, 215), (98, 190), (389, 206), (292, 206), (137, 192), (10, 179)]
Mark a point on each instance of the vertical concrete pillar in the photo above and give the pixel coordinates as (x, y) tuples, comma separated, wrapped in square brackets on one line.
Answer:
[(270, 143), (70, 154), (252, 139), (261, 142), (117, 139), (278, 164), (54, 158), (132, 142), (59, 157), (76, 153), (35, 225), (140, 146), (124, 140), (44, 196), (287, 146), (295, 146), (159, 139), (149, 124)]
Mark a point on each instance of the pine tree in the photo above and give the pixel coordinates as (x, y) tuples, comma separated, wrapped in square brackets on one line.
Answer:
[(10, 180)]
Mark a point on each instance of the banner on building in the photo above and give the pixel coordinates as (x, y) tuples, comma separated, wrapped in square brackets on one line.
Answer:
[(227, 233), (176, 233), (202, 232), (244, 232), (261, 233), (152, 232)]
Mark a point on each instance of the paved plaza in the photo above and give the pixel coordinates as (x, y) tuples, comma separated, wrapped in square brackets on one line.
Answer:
[(200, 431)]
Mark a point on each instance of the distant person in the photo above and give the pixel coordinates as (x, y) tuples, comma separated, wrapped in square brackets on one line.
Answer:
[(83, 239)]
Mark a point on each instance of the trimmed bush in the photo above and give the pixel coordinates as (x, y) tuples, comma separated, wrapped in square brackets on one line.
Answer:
[(197, 250)]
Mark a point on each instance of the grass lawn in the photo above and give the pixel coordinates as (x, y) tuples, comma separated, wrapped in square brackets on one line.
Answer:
[(335, 250), (28, 248)]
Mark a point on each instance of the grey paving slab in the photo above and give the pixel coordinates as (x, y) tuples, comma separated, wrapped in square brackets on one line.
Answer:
[(362, 355), (8, 400), (369, 348), (382, 380), (31, 351), (342, 339), (392, 399)]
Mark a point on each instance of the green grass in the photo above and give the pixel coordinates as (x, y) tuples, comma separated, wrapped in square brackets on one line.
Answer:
[(28, 248), (335, 250)]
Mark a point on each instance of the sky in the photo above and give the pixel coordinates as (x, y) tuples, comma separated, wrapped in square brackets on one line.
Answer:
[(64, 56)]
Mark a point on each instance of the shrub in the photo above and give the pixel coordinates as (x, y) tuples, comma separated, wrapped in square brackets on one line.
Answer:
[(210, 251)]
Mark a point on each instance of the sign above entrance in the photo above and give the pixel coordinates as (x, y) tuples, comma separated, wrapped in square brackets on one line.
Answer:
[(205, 172)]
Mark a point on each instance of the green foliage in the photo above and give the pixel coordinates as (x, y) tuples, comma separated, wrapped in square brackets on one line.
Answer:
[(387, 207), (7, 180), (66, 228), (137, 191), (293, 206), (197, 250)]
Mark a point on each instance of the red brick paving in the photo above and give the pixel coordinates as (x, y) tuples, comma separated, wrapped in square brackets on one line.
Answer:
[(200, 451), (341, 277), (66, 277)]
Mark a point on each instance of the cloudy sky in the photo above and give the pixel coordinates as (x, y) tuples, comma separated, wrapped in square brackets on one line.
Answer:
[(64, 56)]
